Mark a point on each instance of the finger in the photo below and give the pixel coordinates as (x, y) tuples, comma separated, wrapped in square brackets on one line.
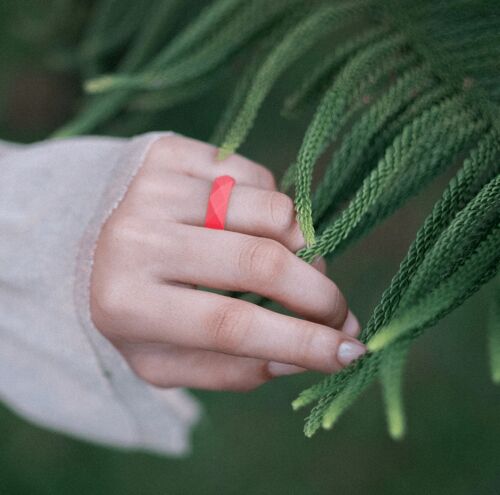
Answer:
[(320, 265), (251, 211), (194, 158), (195, 368), (205, 320), (351, 325), (238, 262)]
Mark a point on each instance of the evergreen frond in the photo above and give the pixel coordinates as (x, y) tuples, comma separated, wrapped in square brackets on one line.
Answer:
[(331, 63), (351, 156), (391, 377), (114, 23), (169, 71), (419, 153), (476, 270), (482, 165), (166, 98), (341, 402), (470, 225), (494, 332), (359, 98), (159, 19), (296, 42), (246, 80), (325, 122)]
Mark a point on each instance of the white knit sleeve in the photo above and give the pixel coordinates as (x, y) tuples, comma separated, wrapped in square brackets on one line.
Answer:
[(56, 369)]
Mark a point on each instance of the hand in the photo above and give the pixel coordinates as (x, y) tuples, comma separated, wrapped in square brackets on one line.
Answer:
[(153, 252)]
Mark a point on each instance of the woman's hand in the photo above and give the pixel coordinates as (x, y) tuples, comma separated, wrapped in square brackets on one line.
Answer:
[(153, 252)]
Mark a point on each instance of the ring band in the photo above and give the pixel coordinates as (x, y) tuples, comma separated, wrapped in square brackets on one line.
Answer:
[(218, 202)]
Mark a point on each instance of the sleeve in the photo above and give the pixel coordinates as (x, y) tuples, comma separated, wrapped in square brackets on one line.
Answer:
[(56, 369)]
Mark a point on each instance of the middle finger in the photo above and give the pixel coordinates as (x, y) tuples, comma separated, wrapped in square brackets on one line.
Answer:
[(238, 262)]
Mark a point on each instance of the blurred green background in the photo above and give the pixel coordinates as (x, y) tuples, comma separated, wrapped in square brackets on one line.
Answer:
[(253, 443)]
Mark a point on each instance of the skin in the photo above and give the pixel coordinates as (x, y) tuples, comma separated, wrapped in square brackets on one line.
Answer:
[(153, 253)]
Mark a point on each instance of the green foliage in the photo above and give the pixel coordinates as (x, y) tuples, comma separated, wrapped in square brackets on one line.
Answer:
[(391, 378), (453, 265), (350, 158), (294, 44), (112, 24), (403, 91), (326, 122), (494, 332), (318, 79)]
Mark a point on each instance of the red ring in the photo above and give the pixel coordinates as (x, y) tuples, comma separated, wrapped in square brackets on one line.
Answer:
[(218, 202)]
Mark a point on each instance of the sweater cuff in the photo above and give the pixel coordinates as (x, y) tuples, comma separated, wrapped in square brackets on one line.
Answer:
[(158, 413), (55, 367)]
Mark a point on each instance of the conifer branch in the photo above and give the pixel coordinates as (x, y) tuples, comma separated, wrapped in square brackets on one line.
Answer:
[(391, 377), (408, 88)]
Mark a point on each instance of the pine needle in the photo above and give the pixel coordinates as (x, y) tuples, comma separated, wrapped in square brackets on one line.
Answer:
[(333, 61)]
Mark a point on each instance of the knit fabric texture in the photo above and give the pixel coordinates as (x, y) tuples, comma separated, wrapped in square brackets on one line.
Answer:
[(56, 369)]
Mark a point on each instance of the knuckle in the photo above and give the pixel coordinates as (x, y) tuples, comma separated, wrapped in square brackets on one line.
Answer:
[(112, 300), (262, 259), (126, 229), (281, 211), (339, 308), (229, 326), (143, 187), (320, 265), (168, 152), (118, 231), (166, 144), (148, 371), (295, 237), (305, 344), (266, 178), (128, 237), (108, 305), (331, 307)]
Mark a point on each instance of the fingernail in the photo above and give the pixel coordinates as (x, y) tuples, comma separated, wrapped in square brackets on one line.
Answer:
[(282, 369), (348, 351), (351, 325)]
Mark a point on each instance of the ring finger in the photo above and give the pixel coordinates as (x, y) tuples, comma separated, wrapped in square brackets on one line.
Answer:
[(251, 210)]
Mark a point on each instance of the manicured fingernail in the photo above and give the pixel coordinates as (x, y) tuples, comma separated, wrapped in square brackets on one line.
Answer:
[(351, 325), (349, 351), (282, 369)]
